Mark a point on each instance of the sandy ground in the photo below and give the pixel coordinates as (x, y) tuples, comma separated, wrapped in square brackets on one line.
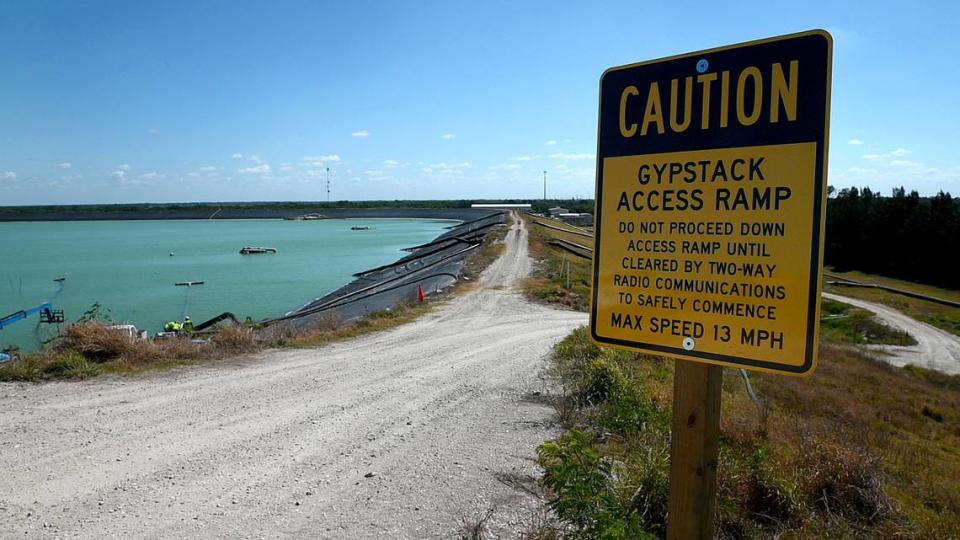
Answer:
[(935, 348), (402, 434)]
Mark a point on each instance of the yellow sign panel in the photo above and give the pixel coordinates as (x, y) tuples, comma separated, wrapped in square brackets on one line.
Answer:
[(710, 205)]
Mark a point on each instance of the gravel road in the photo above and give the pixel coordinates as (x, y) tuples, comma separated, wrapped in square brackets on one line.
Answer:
[(935, 348), (402, 434)]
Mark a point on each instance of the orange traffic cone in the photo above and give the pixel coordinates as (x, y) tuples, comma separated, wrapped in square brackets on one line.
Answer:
[(420, 296)]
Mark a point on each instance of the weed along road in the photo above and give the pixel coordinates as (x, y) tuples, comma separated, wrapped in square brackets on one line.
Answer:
[(399, 434)]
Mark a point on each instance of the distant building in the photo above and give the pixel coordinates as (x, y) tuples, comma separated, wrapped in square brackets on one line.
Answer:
[(582, 220), (556, 211)]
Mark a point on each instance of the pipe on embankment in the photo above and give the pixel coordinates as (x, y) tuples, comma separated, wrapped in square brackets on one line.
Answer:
[(433, 266)]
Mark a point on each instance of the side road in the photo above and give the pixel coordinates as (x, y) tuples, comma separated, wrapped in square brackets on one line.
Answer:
[(935, 349), (400, 434)]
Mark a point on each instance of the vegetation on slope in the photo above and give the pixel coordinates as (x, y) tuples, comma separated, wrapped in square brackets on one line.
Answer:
[(558, 277), (833, 456)]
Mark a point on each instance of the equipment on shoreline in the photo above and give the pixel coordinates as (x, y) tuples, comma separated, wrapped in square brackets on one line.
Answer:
[(48, 315)]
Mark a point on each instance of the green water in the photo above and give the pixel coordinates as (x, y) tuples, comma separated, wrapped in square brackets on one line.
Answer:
[(127, 266)]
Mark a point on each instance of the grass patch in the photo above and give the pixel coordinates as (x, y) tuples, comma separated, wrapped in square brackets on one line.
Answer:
[(549, 282), (834, 455), (843, 323), (946, 318)]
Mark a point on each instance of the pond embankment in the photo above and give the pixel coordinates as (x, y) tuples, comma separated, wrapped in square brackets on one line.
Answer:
[(428, 269)]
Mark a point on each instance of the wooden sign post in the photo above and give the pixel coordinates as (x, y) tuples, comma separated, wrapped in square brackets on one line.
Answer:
[(710, 209), (694, 447)]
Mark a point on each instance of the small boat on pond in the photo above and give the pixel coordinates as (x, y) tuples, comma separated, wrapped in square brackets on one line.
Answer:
[(359, 228), (250, 250)]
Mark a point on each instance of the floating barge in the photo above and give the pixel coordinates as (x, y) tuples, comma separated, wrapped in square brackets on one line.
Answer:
[(250, 250)]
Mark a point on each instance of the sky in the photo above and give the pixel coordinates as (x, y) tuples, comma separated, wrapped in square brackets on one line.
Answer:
[(116, 101)]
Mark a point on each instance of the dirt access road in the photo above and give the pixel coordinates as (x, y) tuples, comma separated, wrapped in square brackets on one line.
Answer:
[(935, 348), (401, 434)]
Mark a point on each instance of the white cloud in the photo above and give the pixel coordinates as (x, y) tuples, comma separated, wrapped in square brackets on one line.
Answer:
[(64, 165), (906, 163), (285, 167), (447, 169), (525, 158), (153, 176), (330, 158), (361, 133), (237, 156), (504, 166), (153, 131), (390, 164), (123, 167), (208, 168), (572, 157), (8, 175), (448, 136), (263, 168), (899, 152), (551, 142), (855, 142), (884, 174)]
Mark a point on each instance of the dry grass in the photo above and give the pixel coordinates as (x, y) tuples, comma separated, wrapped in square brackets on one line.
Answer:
[(548, 282)]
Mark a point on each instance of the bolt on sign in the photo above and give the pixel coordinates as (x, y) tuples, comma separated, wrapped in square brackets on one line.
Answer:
[(711, 195)]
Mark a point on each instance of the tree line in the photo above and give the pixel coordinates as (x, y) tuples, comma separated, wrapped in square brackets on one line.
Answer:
[(539, 205), (904, 235)]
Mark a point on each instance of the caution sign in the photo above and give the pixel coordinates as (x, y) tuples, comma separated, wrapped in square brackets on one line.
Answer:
[(711, 194)]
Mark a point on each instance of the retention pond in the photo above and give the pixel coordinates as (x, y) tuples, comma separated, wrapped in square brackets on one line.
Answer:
[(130, 267)]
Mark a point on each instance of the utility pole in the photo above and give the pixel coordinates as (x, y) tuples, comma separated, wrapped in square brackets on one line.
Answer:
[(544, 185), (328, 184)]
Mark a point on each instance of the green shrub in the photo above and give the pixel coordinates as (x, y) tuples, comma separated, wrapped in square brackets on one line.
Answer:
[(601, 381), (584, 491), (649, 478), (622, 405)]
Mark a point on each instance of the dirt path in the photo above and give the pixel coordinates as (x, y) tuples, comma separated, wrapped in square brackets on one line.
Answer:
[(401, 434), (935, 349)]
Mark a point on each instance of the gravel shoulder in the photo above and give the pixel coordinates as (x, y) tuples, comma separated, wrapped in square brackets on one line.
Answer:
[(402, 434), (935, 349)]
